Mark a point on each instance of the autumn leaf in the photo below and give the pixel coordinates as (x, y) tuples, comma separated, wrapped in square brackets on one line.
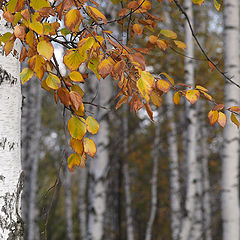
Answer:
[(235, 109), (73, 160), (26, 75), (72, 59), (145, 84), (156, 98), (38, 4), (222, 119), (96, 14), (92, 125), (37, 27), (45, 48), (213, 117), (163, 85), (149, 110), (218, 107), (77, 89), (77, 128), (234, 119), (170, 79), (122, 100), (177, 98), (105, 67), (152, 39), (162, 44), (19, 32), (72, 19), (77, 145), (76, 76), (89, 147), (192, 96), (53, 81), (169, 34), (180, 44), (63, 95), (199, 87), (199, 2), (37, 64), (137, 29), (75, 99)]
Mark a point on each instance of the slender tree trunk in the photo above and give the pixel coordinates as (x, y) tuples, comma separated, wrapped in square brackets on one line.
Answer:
[(175, 200), (126, 177), (68, 202), (191, 227), (11, 177), (154, 182), (82, 214), (230, 159)]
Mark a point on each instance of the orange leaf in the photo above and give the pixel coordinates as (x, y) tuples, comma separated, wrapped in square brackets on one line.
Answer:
[(222, 119), (96, 14), (123, 99), (213, 117), (218, 107), (162, 44), (77, 145), (37, 63), (137, 29), (152, 39), (163, 85), (177, 98), (149, 110), (75, 99), (105, 67), (235, 109), (73, 160), (63, 95), (89, 147)]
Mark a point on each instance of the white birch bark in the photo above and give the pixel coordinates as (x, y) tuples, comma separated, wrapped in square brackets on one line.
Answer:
[(82, 214), (175, 200), (11, 178), (99, 165), (191, 227), (230, 158), (154, 182), (126, 177)]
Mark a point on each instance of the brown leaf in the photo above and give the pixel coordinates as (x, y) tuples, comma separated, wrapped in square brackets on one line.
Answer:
[(76, 99), (63, 95)]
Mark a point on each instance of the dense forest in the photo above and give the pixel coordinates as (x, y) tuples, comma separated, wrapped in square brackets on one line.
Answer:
[(126, 124)]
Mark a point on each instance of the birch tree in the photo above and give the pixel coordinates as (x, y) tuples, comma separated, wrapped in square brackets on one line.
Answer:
[(230, 158), (11, 176)]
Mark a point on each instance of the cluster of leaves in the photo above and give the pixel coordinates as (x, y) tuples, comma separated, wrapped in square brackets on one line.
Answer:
[(82, 31)]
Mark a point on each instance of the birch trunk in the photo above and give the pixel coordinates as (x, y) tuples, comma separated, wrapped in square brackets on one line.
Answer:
[(99, 165), (230, 159), (175, 200), (31, 121), (82, 215), (154, 182), (126, 177), (191, 227), (11, 177)]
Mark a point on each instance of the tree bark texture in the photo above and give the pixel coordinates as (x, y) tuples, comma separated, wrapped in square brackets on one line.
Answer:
[(230, 158), (11, 176)]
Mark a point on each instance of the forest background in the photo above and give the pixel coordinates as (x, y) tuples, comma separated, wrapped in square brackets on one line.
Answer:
[(150, 179)]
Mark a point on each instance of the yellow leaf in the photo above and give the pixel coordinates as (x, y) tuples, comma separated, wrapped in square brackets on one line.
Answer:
[(89, 147), (72, 19), (92, 125), (77, 145), (199, 87), (177, 98), (207, 96), (163, 85), (45, 48), (213, 117), (76, 76), (222, 119), (180, 44), (38, 4), (235, 109), (217, 4), (96, 14), (169, 34), (26, 75), (9, 46), (30, 38), (73, 160), (72, 59), (152, 39), (137, 29), (170, 79), (37, 64), (192, 96), (37, 27), (93, 64), (145, 84), (5, 37), (199, 2), (77, 128), (53, 81), (162, 44), (45, 86), (234, 119), (77, 89)]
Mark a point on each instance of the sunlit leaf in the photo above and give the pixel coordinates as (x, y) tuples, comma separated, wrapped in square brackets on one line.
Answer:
[(89, 147), (145, 84), (163, 85), (37, 64), (53, 81), (105, 67), (222, 119), (96, 14), (213, 117), (235, 109), (192, 96), (72, 59), (162, 44), (199, 87), (73, 160), (92, 125), (76, 76), (37, 27), (72, 19), (77, 128), (156, 98), (137, 29), (77, 145), (38, 4), (180, 44), (217, 4), (45, 48), (93, 64), (199, 2), (170, 79)]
